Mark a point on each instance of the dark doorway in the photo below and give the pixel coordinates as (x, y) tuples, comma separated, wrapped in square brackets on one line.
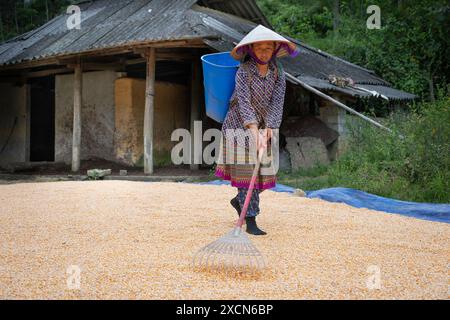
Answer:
[(42, 119)]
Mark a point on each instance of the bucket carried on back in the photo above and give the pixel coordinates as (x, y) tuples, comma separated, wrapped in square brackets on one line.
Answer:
[(219, 73)]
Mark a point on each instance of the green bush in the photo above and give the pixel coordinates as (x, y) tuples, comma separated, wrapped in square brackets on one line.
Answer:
[(411, 163)]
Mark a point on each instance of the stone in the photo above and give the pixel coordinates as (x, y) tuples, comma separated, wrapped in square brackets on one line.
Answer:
[(306, 152), (98, 173), (284, 161), (299, 193), (308, 126)]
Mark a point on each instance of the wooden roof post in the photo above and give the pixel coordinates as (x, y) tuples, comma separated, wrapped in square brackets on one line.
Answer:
[(77, 103), (149, 110), (195, 114)]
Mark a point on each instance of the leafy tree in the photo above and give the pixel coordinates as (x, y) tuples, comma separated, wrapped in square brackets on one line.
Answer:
[(19, 16), (411, 50)]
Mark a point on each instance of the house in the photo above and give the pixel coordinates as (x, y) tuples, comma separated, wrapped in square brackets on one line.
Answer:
[(117, 86)]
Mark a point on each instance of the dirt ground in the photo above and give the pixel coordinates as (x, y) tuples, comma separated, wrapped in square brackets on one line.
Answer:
[(135, 240)]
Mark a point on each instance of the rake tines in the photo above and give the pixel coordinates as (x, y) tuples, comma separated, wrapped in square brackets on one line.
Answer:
[(233, 252)]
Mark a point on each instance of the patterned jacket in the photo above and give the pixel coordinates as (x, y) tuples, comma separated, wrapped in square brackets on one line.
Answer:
[(256, 99)]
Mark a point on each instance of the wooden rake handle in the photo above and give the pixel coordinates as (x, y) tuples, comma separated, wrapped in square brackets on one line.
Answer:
[(240, 222)]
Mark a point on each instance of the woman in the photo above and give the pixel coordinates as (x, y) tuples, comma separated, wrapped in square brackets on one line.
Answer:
[(256, 109)]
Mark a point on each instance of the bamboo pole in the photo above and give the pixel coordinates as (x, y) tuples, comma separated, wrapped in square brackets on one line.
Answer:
[(336, 102)]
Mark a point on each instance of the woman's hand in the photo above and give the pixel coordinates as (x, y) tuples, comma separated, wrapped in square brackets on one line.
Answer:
[(259, 136), (262, 140)]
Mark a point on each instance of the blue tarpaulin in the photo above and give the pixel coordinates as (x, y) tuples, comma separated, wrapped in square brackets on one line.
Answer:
[(361, 199)]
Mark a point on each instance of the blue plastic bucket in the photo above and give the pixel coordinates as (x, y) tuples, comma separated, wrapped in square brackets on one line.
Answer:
[(219, 73)]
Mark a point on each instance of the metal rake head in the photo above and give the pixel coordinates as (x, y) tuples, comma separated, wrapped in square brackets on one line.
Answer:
[(232, 252)]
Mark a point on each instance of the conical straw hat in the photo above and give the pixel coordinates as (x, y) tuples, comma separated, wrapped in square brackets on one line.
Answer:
[(261, 33)]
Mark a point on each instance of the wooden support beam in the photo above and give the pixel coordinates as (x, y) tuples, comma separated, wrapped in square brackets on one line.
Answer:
[(195, 114), (168, 44), (90, 66), (161, 56), (135, 61), (175, 56), (23, 76), (98, 52), (77, 103), (150, 56), (45, 73), (30, 64)]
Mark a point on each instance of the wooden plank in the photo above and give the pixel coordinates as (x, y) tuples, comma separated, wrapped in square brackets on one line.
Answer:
[(30, 64), (69, 58), (89, 66), (77, 103), (175, 56), (163, 56), (149, 110)]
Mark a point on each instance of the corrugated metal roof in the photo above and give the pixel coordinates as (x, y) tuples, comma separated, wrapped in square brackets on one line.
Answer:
[(105, 24), (247, 9), (311, 65), (109, 24)]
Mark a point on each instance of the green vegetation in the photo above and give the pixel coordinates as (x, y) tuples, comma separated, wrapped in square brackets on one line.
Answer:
[(411, 50), (161, 158), (20, 16), (413, 168)]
